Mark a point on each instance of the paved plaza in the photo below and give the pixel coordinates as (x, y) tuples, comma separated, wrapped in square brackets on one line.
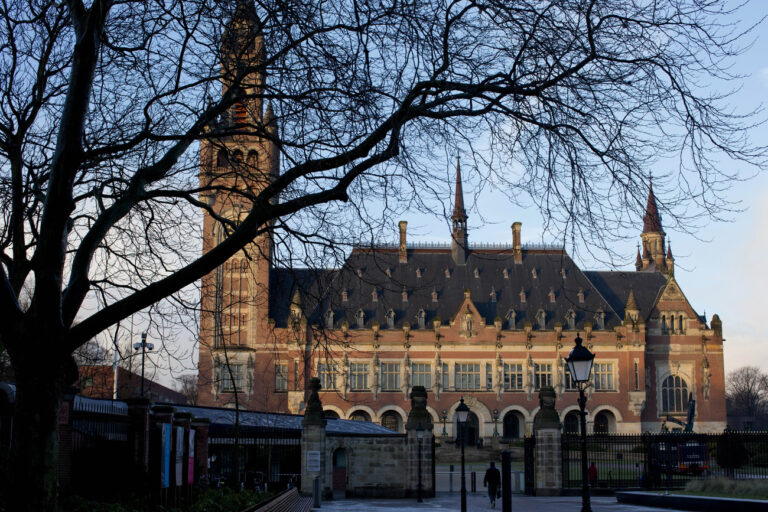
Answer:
[(450, 502)]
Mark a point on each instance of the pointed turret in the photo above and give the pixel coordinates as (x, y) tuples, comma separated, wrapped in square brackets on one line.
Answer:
[(638, 260), (653, 235), (670, 260), (460, 237)]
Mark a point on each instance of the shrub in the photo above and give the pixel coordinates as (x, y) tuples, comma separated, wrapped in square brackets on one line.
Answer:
[(751, 489)]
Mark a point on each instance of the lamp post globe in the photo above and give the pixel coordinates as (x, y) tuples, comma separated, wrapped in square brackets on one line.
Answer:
[(579, 363), (462, 413)]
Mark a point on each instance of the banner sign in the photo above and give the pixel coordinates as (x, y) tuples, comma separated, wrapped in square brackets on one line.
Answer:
[(191, 459), (179, 455), (165, 455)]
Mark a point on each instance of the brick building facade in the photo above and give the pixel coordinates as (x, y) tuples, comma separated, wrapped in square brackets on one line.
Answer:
[(489, 322)]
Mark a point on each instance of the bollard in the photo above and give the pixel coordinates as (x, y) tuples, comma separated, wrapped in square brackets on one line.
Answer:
[(506, 481), (316, 492), (474, 481)]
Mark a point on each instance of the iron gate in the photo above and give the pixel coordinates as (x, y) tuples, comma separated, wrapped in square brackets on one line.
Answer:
[(529, 465)]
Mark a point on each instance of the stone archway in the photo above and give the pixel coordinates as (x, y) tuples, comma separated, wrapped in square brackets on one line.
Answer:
[(605, 422), (360, 415), (514, 425), (572, 423)]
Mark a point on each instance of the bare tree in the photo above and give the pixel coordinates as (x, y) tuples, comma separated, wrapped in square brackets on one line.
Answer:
[(746, 393), (187, 384), (102, 105)]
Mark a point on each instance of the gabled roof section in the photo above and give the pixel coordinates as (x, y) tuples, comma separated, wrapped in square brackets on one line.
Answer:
[(616, 285)]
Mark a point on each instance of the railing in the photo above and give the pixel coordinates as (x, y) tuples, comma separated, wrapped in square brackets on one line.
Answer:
[(665, 460)]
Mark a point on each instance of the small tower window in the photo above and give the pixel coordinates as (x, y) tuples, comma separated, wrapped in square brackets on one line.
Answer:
[(511, 319), (221, 158), (421, 318), (541, 318), (570, 319), (390, 319), (252, 160), (237, 157), (360, 319)]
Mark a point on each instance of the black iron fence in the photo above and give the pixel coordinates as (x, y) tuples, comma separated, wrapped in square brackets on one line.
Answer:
[(529, 445), (270, 458), (664, 460)]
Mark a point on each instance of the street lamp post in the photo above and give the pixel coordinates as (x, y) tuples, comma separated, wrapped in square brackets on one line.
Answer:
[(462, 412), (143, 346), (580, 367), (495, 421), (445, 417), (419, 438)]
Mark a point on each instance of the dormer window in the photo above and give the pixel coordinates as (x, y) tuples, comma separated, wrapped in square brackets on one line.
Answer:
[(600, 319), (581, 296), (390, 319), (418, 273), (534, 274), (541, 318), (563, 273), (421, 318), (388, 271), (329, 319), (551, 295), (511, 319), (360, 319), (375, 296), (344, 295), (570, 319), (493, 294), (434, 295), (522, 296), (447, 273), (477, 273), (505, 273), (359, 272), (405, 295)]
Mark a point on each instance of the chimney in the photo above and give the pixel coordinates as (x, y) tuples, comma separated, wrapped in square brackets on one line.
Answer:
[(517, 247), (403, 247)]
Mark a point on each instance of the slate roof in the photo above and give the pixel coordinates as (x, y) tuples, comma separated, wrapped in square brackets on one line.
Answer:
[(615, 286), (379, 270)]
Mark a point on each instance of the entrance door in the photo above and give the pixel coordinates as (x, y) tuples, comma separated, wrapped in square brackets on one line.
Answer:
[(340, 470)]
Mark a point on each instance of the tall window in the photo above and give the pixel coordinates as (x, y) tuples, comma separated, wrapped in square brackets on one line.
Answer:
[(488, 376), (233, 378), (295, 375), (422, 374), (513, 376), (542, 375), (637, 375), (358, 376), (681, 328), (674, 394), (569, 384), (390, 376), (603, 377), (281, 377), (327, 374), (467, 376), (446, 377)]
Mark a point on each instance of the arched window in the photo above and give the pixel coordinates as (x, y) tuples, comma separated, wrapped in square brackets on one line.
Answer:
[(512, 422), (390, 319), (221, 158), (663, 324), (604, 422), (237, 157), (421, 317), (360, 416), (360, 319), (571, 425), (252, 160), (674, 394), (329, 319), (681, 328), (511, 319), (392, 421), (330, 415), (570, 318), (600, 317)]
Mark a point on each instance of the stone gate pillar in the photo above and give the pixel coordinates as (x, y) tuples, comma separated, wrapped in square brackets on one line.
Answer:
[(313, 441), (548, 452), (419, 416)]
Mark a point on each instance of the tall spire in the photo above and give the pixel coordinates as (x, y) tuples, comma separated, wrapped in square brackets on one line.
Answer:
[(652, 218), (460, 242), (458, 202), (638, 260)]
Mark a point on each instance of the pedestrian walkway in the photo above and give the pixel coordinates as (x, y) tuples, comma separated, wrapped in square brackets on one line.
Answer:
[(445, 502)]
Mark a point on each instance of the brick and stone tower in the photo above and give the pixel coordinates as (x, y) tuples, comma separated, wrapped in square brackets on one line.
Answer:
[(234, 167), (460, 237), (653, 238)]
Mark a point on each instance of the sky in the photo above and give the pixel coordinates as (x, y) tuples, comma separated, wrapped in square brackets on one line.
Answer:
[(721, 268)]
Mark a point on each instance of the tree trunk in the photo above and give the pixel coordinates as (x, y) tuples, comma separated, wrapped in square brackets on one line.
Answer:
[(34, 456)]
